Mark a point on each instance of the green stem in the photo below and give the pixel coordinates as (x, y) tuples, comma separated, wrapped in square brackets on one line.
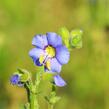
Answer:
[(33, 91), (53, 88), (38, 79), (33, 101)]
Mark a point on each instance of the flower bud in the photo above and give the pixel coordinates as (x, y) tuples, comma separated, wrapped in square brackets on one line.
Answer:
[(76, 39), (64, 33), (20, 78)]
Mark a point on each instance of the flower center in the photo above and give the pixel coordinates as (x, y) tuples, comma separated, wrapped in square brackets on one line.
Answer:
[(50, 51), (45, 59)]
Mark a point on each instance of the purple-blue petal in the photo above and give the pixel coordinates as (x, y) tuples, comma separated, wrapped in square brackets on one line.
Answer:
[(55, 65), (40, 41), (59, 81), (15, 79), (54, 39), (35, 53), (36, 62), (62, 54)]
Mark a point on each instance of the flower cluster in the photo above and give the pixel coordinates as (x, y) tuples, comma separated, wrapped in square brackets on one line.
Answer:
[(50, 53)]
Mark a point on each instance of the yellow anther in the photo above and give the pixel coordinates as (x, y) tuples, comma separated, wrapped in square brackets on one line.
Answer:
[(41, 59), (48, 65)]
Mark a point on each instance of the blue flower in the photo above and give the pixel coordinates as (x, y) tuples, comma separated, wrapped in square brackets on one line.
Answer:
[(15, 80), (50, 53)]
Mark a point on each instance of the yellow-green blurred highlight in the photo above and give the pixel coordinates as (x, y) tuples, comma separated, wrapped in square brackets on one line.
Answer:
[(87, 74)]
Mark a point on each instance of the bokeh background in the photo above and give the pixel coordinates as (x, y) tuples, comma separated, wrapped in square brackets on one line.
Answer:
[(87, 73)]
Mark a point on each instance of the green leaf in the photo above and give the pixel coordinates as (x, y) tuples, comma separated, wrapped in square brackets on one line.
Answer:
[(76, 39)]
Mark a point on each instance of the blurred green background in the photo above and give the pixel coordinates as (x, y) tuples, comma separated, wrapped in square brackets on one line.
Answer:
[(87, 73)]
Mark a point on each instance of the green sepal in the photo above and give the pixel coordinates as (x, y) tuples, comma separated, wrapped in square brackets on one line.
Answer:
[(22, 71), (24, 75), (17, 73), (76, 39)]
